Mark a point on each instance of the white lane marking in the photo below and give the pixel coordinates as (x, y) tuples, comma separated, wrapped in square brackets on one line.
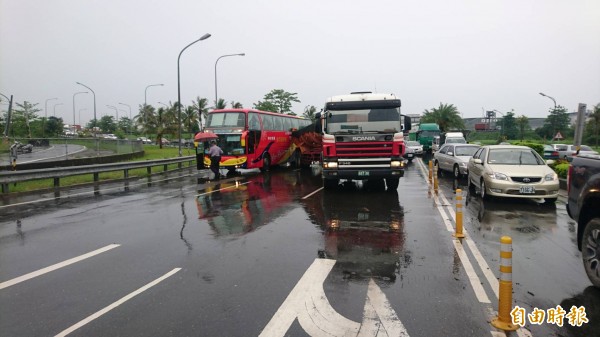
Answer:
[(56, 266), (489, 275), (224, 188), (308, 302), (471, 274), (309, 195), (116, 304)]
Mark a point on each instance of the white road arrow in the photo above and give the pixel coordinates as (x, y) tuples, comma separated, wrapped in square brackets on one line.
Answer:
[(308, 303)]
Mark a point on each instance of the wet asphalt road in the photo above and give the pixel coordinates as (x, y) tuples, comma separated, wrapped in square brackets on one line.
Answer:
[(242, 248)]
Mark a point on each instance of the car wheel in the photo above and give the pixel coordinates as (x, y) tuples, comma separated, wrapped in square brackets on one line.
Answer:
[(456, 171), (482, 190), (590, 251)]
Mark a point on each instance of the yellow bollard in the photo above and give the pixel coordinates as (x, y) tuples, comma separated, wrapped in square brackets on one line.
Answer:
[(435, 179), (504, 320), (459, 215), (430, 170)]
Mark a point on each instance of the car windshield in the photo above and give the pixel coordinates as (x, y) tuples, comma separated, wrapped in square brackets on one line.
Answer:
[(413, 143), (465, 150), (514, 157), (586, 148), (364, 120)]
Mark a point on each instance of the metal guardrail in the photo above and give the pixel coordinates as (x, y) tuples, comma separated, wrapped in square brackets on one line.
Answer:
[(8, 177)]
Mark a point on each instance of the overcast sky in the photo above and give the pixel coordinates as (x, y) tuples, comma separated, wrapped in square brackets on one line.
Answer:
[(474, 54)]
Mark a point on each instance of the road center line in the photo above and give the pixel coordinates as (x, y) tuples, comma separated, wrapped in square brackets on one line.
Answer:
[(117, 303), (55, 266), (309, 195)]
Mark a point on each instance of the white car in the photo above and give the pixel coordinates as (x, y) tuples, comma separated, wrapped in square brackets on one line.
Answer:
[(144, 140), (416, 146), (110, 136)]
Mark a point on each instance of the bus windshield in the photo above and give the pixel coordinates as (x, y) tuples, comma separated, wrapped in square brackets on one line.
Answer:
[(226, 119), (230, 144), (364, 120)]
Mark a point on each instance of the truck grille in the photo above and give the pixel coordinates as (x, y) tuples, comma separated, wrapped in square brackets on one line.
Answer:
[(363, 150)]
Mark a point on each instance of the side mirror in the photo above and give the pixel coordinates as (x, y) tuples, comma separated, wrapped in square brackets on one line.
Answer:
[(450, 153), (407, 124), (477, 161)]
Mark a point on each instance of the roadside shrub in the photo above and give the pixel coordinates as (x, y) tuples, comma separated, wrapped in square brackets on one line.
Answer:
[(561, 169), (537, 147)]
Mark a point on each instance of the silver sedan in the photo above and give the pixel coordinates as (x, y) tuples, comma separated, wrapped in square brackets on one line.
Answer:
[(454, 158)]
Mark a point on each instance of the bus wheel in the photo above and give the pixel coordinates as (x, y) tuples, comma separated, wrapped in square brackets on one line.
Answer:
[(266, 163), (392, 183), (329, 184)]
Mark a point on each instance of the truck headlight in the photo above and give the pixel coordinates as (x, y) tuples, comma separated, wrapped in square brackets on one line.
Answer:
[(330, 164), (396, 163), (551, 177)]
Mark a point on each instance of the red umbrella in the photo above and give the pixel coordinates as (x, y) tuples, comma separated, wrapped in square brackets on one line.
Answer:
[(205, 136)]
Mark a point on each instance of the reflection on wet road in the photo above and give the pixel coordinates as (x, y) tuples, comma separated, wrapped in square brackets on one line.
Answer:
[(246, 243)]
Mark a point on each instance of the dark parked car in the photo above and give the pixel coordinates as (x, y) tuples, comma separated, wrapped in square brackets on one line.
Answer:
[(550, 152), (583, 207)]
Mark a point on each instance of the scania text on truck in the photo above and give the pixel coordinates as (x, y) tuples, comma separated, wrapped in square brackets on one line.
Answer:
[(363, 139)]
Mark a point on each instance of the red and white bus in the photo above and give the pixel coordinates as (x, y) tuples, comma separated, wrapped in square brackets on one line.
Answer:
[(251, 138)]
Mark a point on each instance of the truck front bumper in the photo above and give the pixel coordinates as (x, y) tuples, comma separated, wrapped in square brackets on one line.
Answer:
[(362, 174)]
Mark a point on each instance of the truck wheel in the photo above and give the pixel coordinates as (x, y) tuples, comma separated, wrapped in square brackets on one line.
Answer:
[(329, 184), (590, 251), (392, 184)]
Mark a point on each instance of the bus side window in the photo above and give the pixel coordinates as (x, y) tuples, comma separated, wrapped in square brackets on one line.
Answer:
[(278, 123), (267, 122), (253, 123)]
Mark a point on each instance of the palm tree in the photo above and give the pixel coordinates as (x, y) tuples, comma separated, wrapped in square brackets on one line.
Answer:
[(201, 107), (596, 118), (446, 116), (189, 117), (236, 105), (309, 112), (146, 118), (220, 104)]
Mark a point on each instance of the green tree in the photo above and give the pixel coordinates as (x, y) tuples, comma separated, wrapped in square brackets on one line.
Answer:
[(23, 116), (53, 126), (592, 129), (201, 107), (523, 125), (107, 124), (309, 112), (145, 120), (557, 121), (509, 125), (125, 124), (278, 100), (190, 119), (236, 105), (446, 116), (220, 104)]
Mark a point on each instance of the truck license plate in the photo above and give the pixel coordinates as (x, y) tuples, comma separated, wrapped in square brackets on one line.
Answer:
[(527, 190), (363, 173)]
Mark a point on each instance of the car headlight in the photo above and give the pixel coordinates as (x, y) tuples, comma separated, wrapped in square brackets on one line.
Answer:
[(498, 176), (463, 164), (551, 177)]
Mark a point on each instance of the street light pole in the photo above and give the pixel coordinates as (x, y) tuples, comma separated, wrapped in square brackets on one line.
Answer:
[(217, 61), (553, 100), (8, 117), (95, 119), (75, 94), (54, 110), (204, 37), (46, 115)]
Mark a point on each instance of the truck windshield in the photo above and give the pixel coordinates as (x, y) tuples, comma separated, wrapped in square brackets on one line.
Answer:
[(383, 120), (429, 133)]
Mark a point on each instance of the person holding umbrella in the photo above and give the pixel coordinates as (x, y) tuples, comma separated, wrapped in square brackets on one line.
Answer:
[(215, 153)]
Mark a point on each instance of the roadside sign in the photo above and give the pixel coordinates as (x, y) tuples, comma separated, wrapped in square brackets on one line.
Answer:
[(558, 136)]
